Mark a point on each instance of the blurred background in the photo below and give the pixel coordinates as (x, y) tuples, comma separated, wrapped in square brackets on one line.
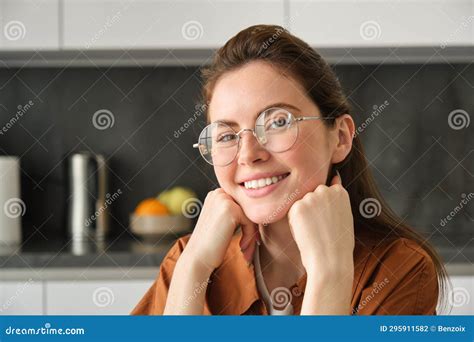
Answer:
[(100, 105)]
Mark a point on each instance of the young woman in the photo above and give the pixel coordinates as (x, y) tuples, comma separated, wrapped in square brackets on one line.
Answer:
[(315, 235)]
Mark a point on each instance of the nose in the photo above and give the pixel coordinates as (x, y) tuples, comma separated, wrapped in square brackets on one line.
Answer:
[(251, 151)]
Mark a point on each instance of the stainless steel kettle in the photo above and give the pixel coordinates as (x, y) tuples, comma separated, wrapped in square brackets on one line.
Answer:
[(87, 208)]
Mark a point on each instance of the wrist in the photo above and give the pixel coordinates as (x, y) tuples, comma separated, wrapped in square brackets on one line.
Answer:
[(332, 284), (193, 265), (327, 297), (330, 272)]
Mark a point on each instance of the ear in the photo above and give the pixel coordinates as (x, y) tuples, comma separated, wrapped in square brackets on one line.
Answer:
[(343, 133)]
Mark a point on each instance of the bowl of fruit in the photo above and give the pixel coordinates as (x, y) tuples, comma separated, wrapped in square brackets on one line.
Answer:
[(165, 216)]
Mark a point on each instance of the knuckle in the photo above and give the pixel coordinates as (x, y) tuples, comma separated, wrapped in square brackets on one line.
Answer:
[(296, 207), (321, 190), (321, 187)]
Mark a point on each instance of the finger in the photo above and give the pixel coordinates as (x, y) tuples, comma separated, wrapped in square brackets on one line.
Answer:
[(336, 179), (259, 237), (249, 236), (249, 252), (249, 229), (249, 239)]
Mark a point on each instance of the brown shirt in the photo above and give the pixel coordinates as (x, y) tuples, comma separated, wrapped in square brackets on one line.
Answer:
[(394, 277)]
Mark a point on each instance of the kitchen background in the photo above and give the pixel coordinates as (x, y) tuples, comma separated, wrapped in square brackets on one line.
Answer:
[(421, 163), (136, 66)]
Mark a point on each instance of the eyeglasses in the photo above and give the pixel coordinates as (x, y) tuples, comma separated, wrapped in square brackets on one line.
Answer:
[(276, 129)]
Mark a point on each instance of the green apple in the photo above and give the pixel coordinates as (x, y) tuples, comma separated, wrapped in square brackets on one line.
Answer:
[(175, 197)]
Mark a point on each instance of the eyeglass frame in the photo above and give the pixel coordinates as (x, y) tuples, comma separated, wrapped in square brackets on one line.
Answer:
[(297, 119)]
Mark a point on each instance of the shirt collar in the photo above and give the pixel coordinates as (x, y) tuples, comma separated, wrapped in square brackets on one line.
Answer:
[(233, 288)]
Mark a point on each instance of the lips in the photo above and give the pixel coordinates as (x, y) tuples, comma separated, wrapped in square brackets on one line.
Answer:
[(261, 175), (261, 186), (263, 182)]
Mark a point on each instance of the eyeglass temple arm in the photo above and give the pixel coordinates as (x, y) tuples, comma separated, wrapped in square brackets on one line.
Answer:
[(304, 118)]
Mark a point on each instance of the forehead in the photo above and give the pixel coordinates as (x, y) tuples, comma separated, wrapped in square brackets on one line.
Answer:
[(240, 95)]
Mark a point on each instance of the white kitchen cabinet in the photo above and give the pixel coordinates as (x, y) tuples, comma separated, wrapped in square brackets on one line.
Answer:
[(383, 23), (96, 297), (119, 297), (29, 25), (21, 298), (165, 24)]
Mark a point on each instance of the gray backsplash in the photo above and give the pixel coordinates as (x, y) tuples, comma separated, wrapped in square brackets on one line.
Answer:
[(422, 165)]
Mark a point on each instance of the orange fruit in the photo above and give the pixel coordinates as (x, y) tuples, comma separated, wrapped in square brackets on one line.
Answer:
[(151, 206)]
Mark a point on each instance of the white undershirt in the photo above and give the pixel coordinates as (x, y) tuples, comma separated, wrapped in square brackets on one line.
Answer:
[(281, 295)]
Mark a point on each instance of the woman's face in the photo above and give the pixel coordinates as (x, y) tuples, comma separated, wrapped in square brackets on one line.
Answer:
[(240, 96)]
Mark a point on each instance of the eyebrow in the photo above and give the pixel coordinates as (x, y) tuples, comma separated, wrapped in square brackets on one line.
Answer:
[(278, 104)]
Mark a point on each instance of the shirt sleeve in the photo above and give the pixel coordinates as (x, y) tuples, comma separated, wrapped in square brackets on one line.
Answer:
[(154, 300), (404, 282)]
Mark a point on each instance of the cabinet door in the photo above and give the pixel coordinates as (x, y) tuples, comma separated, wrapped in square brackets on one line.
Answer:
[(21, 298), (382, 23), (94, 297), (29, 25), (167, 24)]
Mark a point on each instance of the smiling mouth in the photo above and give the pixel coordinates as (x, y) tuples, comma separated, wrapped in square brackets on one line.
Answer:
[(263, 182)]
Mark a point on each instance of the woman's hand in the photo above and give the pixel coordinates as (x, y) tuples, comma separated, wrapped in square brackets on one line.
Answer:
[(219, 218), (322, 226)]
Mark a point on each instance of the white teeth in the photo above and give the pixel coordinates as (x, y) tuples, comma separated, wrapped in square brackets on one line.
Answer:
[(262, 182)]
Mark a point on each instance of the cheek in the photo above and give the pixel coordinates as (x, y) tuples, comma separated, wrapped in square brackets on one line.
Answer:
[(310, 164), (225, 177)]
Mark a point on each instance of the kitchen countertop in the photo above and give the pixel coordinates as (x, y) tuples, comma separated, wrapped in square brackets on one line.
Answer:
[(63, 253), (140, 259)]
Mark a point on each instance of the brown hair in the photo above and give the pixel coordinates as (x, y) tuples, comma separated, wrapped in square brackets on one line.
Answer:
[(275, 45)]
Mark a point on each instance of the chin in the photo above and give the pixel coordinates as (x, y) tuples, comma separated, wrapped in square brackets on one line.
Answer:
[(266, 213)]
